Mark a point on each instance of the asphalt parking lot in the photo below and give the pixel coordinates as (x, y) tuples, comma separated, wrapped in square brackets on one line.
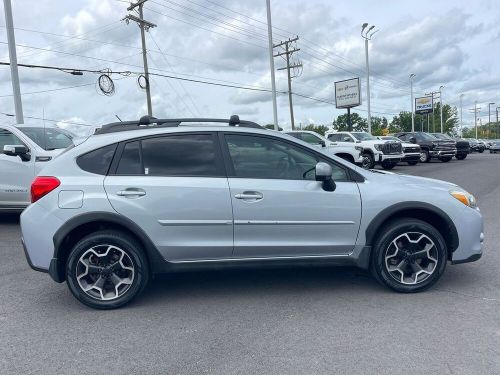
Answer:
[(286, 321)]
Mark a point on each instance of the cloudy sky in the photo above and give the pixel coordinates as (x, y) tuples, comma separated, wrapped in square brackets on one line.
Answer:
[(450, 43)]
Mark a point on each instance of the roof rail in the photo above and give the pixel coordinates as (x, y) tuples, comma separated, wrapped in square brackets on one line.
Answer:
[(148, 122)]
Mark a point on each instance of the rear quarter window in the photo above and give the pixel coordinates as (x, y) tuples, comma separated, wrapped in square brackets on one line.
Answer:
[(97, 161)]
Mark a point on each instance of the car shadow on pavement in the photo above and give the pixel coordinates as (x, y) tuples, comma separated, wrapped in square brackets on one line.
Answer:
[(255, 282)]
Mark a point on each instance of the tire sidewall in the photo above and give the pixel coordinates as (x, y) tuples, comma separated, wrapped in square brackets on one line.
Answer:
[(371, 158), (388, 234), (127, 244)]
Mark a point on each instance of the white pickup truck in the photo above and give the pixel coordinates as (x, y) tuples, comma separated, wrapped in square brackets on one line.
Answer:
[(387, 153), (350, 152), (36, 146)]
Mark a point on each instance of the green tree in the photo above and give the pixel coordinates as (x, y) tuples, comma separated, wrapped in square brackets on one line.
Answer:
[(379, 126), (401, 123), (320, 129), (358, 123)]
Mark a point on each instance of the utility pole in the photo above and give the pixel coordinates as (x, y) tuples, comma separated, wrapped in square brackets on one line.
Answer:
[(496, 127), (433, 96), (441, 105), (367, 34), (288, 53), (271, 64), (476, 109), (14, 74), (461, 126), (144, 26), (489, 119), (412, 110)]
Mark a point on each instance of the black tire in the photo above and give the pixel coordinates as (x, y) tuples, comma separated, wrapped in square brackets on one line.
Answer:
[(481, 150), (412, 162), (368, 161), (388, 165), (461, 156), (391, 232), (445, 159), (135, 259), (425, 157)]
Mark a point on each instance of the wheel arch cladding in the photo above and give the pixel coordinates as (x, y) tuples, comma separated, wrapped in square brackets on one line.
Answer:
[(78, 227), (416, 210)]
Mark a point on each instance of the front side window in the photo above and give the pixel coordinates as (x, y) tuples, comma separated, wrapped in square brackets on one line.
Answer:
[(345, 137), (7, 138), (270, 158), (334, 137), (310, 138), (175, 155)]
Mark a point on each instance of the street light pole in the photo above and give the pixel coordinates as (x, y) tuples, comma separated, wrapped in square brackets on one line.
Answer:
[(412, 110), (271, 63), (461, 126), (441, 105), (367, 35), (489, 119), (496, 126)]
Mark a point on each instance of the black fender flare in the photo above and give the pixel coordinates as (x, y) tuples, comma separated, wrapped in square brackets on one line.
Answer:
[(398, 208)]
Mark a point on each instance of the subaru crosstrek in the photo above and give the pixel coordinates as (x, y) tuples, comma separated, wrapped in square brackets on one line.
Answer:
[(151, 196)]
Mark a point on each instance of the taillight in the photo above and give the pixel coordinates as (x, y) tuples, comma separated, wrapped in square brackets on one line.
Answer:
[(42, 186)]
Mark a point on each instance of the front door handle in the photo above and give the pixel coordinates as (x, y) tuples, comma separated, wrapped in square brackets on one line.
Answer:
[(131, 193), (250, 196)]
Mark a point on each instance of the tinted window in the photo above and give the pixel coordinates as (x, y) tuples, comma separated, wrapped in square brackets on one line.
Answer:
[(180, 155), (130, 161), (48, 138), (295, 135), (310, 138), (345, 137), (7, 138), (97, 161), (334, 137), (263, 157)]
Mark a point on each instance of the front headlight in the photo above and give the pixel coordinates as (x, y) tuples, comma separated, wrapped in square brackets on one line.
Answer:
[(464, 197), (359, 148), (378, 147)]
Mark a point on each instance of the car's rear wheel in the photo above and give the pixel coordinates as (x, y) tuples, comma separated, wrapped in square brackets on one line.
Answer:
[(424, 156), (368, 161), (106, 270), (409, 256)]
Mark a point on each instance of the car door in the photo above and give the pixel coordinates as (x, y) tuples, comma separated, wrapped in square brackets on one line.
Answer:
[(175, 188), (279, 209), (16, 175)]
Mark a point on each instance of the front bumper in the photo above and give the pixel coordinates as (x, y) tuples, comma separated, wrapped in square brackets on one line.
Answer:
[(470, 236), (383, 157), (443, 153), (411, 157)]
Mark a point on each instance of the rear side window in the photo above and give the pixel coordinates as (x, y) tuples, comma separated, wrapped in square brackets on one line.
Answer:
[(97, 161), (173, 155)]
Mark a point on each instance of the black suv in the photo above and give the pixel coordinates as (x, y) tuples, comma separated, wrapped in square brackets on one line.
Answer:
[(463, 146), (430, 146)]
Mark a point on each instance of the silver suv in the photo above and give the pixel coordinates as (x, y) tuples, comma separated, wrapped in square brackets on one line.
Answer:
[(151, 196)]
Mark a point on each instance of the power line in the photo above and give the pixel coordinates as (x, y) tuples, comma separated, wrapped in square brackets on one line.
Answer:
[(47, 119)]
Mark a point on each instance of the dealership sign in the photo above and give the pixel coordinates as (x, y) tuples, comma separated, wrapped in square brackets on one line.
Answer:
[(348, 93), (424, 105)]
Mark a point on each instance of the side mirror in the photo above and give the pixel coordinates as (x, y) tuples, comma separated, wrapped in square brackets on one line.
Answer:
[(17, 150), (346, 139), (322, 143), (413, 140), (324, 173)]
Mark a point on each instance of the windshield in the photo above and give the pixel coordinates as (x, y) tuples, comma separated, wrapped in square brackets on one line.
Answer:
[(427, 137), (388, 138), (362, 136), (441, 136), (49, 138)]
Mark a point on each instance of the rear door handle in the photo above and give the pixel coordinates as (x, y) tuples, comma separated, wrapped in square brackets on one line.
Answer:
[(131, 192), (250, 196)]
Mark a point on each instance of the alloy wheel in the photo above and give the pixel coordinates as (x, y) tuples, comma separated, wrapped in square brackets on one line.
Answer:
[(423, 157), (105, 272), (411, 258)]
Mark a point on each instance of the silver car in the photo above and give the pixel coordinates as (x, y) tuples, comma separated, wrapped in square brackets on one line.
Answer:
[(145, 197)]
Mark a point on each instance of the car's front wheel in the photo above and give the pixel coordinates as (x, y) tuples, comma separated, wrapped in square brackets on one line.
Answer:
[(445, 159), (106, 269), (461, 156), (409, 256), (425, 157), (368, 161), (388, 165)]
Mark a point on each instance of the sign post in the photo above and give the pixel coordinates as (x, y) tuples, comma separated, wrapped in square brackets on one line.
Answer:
[(348, 95)]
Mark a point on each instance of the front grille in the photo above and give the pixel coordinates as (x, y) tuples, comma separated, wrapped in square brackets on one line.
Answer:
[(411, 149), (392, 148)]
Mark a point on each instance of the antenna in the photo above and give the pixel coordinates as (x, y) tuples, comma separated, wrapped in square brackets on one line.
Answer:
[(44, 130)]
